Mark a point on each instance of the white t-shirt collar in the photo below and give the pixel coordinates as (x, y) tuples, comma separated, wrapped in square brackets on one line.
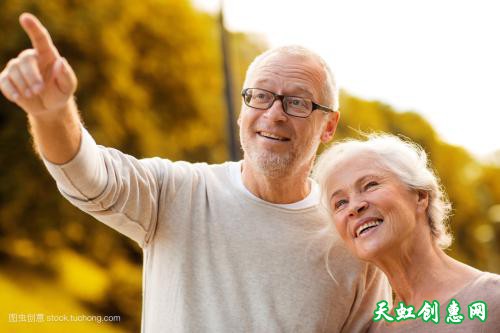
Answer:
[(310, 200)]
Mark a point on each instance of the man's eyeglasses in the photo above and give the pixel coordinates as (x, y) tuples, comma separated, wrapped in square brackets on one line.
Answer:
[(294, 106)]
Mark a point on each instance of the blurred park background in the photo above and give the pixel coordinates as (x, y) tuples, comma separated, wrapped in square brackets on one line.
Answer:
[(153, 85)]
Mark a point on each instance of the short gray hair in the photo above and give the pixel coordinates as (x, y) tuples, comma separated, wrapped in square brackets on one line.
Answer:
[(329, 90), (403, 158)]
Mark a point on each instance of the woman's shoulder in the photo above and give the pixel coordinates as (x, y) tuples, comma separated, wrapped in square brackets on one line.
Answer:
[(485, 283), (483, 289), (475, 308)]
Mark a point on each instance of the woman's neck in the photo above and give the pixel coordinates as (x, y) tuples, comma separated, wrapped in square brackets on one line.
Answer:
[(424, 272)]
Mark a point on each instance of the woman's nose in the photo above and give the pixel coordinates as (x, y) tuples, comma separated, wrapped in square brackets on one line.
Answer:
[(358, 207)]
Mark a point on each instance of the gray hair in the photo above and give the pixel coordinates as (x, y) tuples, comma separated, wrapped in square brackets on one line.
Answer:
[(403, 158), (329, 90)]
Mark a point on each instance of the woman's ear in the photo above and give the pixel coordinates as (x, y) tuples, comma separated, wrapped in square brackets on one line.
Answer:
[(422, 200)]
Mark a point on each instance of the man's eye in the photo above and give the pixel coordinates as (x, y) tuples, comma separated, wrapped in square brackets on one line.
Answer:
[(297, 102)]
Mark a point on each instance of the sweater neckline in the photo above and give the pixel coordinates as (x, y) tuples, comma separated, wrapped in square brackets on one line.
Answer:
[(311, 200)]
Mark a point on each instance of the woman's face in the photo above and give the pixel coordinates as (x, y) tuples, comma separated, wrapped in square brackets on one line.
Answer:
[(373, 211)]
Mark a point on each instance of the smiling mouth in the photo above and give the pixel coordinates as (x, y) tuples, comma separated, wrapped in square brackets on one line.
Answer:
[(272, 136), (365, 227)]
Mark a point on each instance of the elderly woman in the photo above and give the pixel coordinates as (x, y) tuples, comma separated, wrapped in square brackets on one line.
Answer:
[(389, 208)]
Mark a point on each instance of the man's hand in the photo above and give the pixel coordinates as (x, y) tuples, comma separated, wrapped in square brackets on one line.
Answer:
[(39, 80)]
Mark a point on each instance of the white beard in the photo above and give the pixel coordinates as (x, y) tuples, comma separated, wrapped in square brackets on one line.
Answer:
[(269, 163), (274, 164)]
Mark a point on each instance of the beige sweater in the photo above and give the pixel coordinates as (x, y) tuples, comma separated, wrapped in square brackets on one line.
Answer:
[(216, 258), (486, 287)]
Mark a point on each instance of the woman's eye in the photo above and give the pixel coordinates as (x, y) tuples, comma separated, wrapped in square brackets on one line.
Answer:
[(340, 203), (370, 184)]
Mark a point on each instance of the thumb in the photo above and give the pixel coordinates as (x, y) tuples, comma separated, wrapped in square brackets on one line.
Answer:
[(64, 76)]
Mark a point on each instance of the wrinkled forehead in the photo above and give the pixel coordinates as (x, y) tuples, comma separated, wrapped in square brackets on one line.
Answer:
[(282, 86), (349, 167), (291, 74)]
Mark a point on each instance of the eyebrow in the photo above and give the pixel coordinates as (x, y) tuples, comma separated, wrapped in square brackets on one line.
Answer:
[(295, 87), (357, 182), (263, 80), (301, 89)]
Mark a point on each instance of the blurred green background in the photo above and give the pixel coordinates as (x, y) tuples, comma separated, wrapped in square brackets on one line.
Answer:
[(151, 84)]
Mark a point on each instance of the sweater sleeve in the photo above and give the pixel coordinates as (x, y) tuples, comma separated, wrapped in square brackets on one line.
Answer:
[(113, 187), (373, 287)]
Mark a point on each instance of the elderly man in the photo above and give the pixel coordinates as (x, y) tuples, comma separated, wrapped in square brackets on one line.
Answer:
[(230, 247)]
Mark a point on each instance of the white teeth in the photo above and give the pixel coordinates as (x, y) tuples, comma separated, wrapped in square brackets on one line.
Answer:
[(367, 225), (272, 136)]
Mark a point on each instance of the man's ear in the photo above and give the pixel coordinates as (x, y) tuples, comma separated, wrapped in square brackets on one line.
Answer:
[(330, 127)]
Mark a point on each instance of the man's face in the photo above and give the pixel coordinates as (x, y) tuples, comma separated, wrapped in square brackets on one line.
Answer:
[(273, 142)]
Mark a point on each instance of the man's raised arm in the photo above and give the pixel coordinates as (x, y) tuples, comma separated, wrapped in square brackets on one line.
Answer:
[(42, 83)]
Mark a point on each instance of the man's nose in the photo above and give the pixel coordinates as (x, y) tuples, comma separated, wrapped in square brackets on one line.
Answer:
[(276, 112)]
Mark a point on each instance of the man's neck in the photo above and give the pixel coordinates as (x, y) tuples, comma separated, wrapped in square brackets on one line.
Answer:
[(280, 189)]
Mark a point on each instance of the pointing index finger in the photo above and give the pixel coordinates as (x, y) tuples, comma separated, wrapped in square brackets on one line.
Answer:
[(40, 38)]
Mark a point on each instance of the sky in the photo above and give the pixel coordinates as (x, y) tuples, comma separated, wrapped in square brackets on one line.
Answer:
[(439, 58)]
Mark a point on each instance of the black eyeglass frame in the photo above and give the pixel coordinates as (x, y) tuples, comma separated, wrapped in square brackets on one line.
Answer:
[(315, 106)]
